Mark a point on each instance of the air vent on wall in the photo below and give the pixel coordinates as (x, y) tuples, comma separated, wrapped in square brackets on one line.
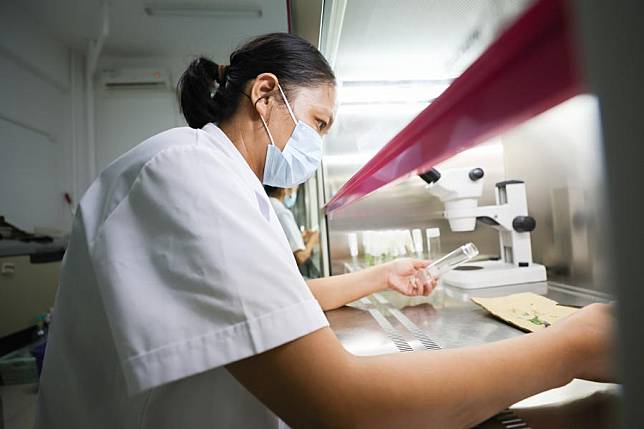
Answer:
[(134, 78)]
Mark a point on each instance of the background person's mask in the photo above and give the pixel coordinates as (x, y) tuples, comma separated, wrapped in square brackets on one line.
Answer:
[(299, 159), (289, 200)]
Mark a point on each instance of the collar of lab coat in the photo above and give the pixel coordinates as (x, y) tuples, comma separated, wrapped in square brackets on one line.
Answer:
[(229, 148), (246, 173)]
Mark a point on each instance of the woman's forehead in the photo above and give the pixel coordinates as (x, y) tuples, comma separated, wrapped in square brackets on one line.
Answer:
[(320, 98), (323, 95)]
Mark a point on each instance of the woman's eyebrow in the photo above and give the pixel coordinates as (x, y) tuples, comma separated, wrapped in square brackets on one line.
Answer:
[(331, 116), (322, 112), (327, 113)]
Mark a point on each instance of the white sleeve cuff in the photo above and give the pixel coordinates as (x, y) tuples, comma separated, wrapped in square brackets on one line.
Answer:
[(194, 355)]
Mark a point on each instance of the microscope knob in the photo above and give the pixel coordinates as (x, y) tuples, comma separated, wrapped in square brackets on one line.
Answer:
[(524, 224), (476, 174), (431, 176)]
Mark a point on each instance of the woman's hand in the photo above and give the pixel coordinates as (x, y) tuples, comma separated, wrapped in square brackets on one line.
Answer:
[(589, 334), (407, 276), (311, 236)]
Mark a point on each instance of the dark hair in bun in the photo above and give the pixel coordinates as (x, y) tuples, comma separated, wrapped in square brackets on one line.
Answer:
[(209, 92)]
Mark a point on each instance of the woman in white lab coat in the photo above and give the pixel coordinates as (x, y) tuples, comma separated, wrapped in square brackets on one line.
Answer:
[(180, 304)]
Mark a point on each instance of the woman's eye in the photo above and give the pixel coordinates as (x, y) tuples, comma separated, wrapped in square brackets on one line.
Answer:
[(321, 125)]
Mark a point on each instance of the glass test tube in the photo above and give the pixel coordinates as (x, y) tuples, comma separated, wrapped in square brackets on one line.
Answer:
[(452, 260), (433, 243)]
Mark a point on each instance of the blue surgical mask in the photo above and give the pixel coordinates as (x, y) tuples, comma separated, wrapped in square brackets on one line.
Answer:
[(299, 159), (289, 200)]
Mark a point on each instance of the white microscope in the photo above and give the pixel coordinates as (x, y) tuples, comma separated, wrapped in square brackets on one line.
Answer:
[(459, 189)]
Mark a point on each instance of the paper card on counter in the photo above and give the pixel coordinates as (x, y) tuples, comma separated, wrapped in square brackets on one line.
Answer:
[(527, 311)]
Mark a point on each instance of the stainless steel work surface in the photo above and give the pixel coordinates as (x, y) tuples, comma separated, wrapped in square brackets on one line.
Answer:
[(388, 322)]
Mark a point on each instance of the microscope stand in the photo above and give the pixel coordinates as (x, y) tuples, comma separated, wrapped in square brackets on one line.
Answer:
[(483, 274)]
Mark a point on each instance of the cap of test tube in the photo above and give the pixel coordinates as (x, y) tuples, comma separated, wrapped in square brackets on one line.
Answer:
[(452, 260)]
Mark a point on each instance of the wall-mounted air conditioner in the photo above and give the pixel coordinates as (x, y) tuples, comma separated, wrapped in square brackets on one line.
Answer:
[(134, 78)]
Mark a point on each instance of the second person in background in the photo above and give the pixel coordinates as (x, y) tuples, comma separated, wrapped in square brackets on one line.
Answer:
[(302, 243)]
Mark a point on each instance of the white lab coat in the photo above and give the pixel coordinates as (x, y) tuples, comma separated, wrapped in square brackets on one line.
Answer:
[(287, 220), (176, 266)]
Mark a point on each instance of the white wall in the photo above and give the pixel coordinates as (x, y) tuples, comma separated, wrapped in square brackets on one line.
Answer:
[(126, 117), (36, 162), (42, 87), (44, 150)]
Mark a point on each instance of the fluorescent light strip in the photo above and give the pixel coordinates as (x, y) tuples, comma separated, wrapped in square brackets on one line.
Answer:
[(197, 10), (378, 92)]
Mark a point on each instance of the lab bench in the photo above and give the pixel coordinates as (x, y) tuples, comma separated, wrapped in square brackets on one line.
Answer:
[(388, 322)]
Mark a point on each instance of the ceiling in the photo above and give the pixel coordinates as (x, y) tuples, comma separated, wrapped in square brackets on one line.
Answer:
[(134, 33), (418, 39)]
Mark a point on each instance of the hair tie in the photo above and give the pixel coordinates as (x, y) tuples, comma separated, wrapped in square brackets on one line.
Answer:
[(221, 73)]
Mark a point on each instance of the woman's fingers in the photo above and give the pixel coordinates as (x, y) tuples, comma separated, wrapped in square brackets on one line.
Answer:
[(423, 282), (431, 285), (404, 285), (413, 282), (426, 290), (421, 263), (408, 276), (419, 286)]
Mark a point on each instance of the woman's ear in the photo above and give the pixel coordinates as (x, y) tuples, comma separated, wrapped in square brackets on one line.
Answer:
[(261, 91)]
